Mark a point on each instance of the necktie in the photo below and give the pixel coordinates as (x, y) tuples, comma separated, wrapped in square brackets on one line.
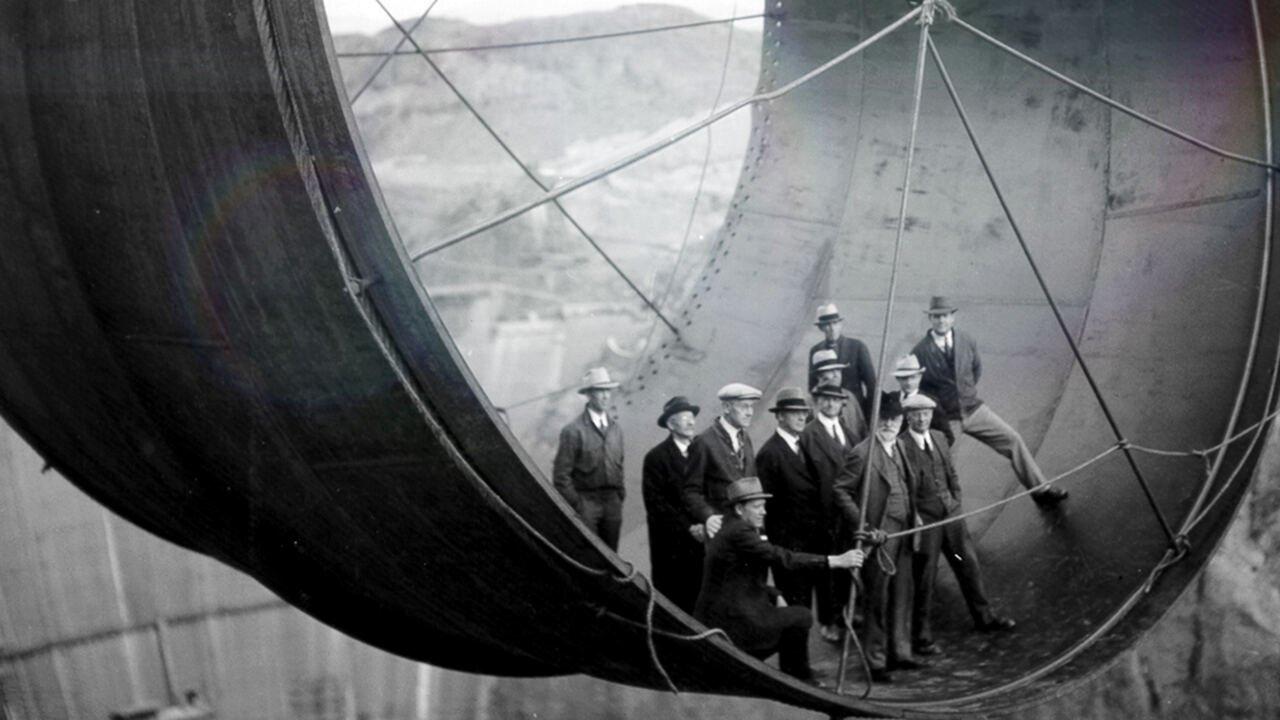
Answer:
[(604, 423), (951, 355), (741, 450), (837, 433)]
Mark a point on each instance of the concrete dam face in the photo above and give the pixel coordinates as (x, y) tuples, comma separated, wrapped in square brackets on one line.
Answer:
[(212, 327)]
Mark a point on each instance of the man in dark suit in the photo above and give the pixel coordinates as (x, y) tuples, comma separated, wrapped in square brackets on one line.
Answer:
[(859, 377), (798, 517), (734, 595), (938, 497), (890, 507), (953, 368), (827, 442), (675, 538), (587, 469), (725, 455)]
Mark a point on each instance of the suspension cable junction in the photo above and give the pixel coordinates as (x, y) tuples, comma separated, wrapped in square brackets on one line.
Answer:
[(527, 171), (386, 56), (629, 160), (562, 40)]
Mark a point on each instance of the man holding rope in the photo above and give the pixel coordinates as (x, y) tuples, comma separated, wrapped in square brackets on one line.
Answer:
[(735, 596), (890, 508)]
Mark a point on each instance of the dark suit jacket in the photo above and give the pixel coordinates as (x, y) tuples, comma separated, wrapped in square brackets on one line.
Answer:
[(798, 511), (676, 558), (848, 486), (955, 388), (734, 595), (826, 458), (934, 500), (717, 466), (859, 378), (588, 460)]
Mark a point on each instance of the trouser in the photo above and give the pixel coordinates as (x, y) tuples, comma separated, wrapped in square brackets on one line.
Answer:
[(887, 628), (601, 510), (676, 569), (954, 542), (985, 425), (833, 595), (793, 642)]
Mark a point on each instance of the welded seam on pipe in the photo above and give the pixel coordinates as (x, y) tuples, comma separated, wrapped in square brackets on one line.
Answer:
[(527, 171), (629, 160), (926, 19), (1048, 295), (1114, 103), (734, 18)]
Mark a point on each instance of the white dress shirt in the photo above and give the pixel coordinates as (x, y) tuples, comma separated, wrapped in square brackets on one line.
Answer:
[(923, 441), (681, 444), (599, 419), (733, 433), (793, 441), (832, 426)]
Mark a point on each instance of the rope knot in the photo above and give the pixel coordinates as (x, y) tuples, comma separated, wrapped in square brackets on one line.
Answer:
[(929, 7), (1123, 444)]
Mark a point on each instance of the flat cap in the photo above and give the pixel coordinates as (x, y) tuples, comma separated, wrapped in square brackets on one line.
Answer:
[(738, 391), (918, 401)]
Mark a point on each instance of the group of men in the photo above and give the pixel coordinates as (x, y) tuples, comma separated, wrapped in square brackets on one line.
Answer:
[(705, 497)]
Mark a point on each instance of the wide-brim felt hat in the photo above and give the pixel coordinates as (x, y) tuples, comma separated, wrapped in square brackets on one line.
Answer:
[(830, 390), (890, 405), (597, 378), (677, 404), (828, 313), (744, 490), (908, 366), (789, 398), (940, 304), (826, 360)]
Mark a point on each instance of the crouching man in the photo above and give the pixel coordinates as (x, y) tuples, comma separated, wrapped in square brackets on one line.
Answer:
[(735, 596)]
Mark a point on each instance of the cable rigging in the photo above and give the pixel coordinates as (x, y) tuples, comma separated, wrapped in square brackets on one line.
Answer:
[(525, 168)]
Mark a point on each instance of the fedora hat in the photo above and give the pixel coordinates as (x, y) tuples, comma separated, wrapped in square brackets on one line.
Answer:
[(738, 391), (597, 378), (827, 360), (908, 365), (789, 398), (745, 489), (830, 390), (918, 401), (890, 405), (939, 304), (828, 313), (677, 404)]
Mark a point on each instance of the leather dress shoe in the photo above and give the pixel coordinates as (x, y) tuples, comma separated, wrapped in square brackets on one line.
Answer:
[(926, 648), (996, 624), (1049, 497)]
